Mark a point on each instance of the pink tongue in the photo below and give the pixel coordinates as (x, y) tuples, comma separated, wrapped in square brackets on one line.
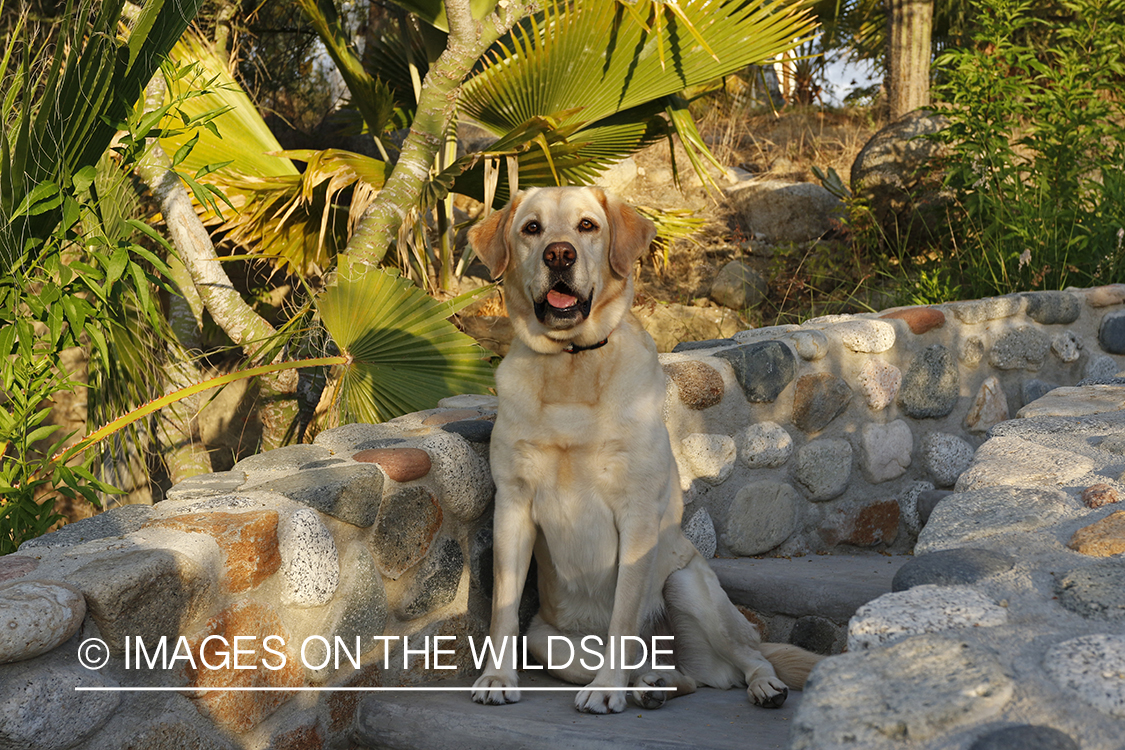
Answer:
[(560, 300)]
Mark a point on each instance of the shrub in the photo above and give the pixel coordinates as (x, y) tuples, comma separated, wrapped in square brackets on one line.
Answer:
[(1036, 148)]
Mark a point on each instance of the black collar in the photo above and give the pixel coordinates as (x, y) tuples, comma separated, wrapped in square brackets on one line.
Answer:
[(573, 348)]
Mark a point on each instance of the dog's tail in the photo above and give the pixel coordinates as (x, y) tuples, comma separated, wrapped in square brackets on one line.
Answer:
[(792, 663)]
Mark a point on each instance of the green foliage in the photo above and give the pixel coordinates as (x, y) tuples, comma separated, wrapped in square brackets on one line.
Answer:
[(402, 353), (1037, 148)]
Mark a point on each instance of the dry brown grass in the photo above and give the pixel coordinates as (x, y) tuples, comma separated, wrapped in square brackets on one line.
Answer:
[(786, 144)]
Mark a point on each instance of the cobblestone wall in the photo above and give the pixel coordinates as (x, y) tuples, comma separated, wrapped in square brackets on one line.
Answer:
[(790, 439)]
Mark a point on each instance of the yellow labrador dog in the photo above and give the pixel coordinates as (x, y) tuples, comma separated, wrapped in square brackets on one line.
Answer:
[(585, 476)]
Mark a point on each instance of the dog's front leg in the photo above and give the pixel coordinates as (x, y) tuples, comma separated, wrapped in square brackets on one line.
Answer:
[(513, 539), (636, 567)]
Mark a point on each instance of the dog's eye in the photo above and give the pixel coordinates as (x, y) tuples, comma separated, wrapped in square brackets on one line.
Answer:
[(532, 227), (586, 226)]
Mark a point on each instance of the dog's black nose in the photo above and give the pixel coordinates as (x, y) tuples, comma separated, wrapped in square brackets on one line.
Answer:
[(559, 256)]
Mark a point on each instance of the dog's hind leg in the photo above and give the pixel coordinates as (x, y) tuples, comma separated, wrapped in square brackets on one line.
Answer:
[(715, 644)]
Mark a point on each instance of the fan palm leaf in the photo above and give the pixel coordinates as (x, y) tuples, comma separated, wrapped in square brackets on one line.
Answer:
[(607, 92), (401, 352), (565, 60)]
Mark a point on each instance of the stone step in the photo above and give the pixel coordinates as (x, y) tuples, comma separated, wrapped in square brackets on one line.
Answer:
[(831, 586), (717, 719)]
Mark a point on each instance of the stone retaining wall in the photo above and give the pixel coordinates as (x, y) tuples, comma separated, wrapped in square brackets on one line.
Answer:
[(800, 439), (1007, 630), (790, 439)]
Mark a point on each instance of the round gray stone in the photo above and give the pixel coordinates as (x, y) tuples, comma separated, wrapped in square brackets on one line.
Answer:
[(946, 457), (814, 633), (927, 501), (971, 350), (965, 516), (923, 609), (709, 457), (1102, 368), (1034, 389), (1111, 332), (921, 688), (762, 516), (824, 468), (1025, 737), (463, 476), (738, 286), (990, 308), (764, 445), (1022, 348), (930, 385), (1053, 308), (690, 346), (810, 345), (818, 399), (41, 710), (310, 563), (351, 438), (473, 430), (116, 522), (207, 485), (364, 611), (351, 493), (435, 582), (951, 567), (1096, 591), (37, 616), (866, 336), (1066, 346), (280, 461), (700, 531), (763, 369), (1091, 666), (886, 449)]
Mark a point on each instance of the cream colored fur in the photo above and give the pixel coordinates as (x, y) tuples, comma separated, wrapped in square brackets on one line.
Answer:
[(585, 477)]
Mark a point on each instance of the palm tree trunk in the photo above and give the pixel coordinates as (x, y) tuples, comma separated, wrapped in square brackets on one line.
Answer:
[(226, 306), (909, 28), (437, 106)]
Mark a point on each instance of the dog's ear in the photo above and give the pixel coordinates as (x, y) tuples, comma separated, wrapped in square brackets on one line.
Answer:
[(489, 238), (631, 234)]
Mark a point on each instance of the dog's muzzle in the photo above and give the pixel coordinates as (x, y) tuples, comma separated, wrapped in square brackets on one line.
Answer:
[(562, 306)]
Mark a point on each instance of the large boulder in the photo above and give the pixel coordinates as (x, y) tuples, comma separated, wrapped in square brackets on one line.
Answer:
[(779, 211), (897, 175)]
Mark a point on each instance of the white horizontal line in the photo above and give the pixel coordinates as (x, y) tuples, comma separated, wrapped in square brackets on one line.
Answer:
[(104, 689)]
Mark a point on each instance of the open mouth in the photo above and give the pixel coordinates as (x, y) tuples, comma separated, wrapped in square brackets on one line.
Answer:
[(562, 307)]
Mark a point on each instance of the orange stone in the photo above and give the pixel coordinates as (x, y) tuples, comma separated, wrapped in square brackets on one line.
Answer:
[(342, 705), (874, 524), (399, 464), (1097, 495), (252, 623), (301, 738), (1101, 539), (248, 542), (920, 319)]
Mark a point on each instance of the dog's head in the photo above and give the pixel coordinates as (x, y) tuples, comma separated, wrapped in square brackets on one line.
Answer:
[(567, 256)]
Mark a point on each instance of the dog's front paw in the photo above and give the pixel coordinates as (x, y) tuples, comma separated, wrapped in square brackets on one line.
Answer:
[(769, 692), (496, 689), (650, 698), (594, 701)]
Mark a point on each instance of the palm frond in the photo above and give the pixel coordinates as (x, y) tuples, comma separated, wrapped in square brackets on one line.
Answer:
[(403, 354), (587, 56)]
